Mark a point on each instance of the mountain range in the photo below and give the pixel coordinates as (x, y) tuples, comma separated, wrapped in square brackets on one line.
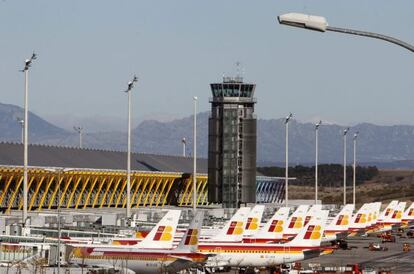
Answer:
[(376, 144)]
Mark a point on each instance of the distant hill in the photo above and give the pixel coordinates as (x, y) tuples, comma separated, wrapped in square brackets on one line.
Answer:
[(380, 145), (40, 131)]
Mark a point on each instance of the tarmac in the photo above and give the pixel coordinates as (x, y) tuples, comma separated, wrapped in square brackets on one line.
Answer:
[(394, 259)]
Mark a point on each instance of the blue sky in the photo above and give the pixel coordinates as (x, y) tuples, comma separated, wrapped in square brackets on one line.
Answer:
[(89, 50)]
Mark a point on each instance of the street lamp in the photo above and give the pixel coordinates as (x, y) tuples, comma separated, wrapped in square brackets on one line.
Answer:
[(184, 142), (27, 65), (128, 90), (287, 157), (79, 131), (345, 132), (354, 166), (317, 125), (319, 23), (21, 122), (195, 155), (60, 172)]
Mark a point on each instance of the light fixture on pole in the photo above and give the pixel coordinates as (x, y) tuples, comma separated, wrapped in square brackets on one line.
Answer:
[(128, 198), (287, 157), (195, 155), (344, 133), (354, 168), (319, 23), (21, 122), (184, 142), (317, 125), (79, 130), (60, 172), (27, 65)]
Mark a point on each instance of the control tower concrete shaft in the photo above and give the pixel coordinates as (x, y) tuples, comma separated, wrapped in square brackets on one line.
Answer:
[(232, 143)]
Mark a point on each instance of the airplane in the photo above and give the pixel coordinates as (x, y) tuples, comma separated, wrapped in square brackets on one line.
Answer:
[(408, 216), (311, 212), (272, 231), (393, 219), (391, 207), (253, 220), (154, 254), (295, 222), (305, 245), (233, 230), (284, 230), (338, 227), (359, 221)]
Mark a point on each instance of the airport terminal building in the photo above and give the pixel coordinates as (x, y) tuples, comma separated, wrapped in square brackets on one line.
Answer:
[(90, 178)]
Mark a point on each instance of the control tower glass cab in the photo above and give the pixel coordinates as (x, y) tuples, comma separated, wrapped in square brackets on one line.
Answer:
[(232, 143)]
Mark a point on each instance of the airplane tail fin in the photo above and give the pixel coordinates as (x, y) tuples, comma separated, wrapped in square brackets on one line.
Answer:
[(312, 211), (189, 242), (388, 210), (343, 219), (396, 216), (375, 211), (253, 220), (360, 218), (276, 223), (311, 234), (296, 220), (233, 230), (409, 213), (162, 235)]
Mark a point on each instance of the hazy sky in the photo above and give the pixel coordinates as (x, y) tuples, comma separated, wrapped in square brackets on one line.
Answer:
[(89, 50)]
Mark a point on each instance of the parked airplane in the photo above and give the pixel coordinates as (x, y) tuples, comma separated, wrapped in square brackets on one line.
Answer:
[(408, 216), (393, 219), (153, 254), (233, 230), (272, 231), (305, 245), (359, 221), (338, 227), (253, 220), (295, 222)]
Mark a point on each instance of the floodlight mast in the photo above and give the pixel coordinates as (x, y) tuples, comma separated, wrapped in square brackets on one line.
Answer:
[(184, 142), (287, 158), (21, 122), (317, 125), (195, 99), (79, 130), (354, 167), (27, 65), (344, 133), (319, 23), (131, 85)]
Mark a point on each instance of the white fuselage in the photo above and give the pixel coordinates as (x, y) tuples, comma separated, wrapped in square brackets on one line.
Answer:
[(253, 259)]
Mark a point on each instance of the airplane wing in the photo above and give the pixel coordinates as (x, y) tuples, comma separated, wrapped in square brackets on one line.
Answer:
[(180, 258), (180, 263)]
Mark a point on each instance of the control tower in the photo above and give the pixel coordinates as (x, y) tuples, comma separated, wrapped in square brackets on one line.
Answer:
[(232, 143)]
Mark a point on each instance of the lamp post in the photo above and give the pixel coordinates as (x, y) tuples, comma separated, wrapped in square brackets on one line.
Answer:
[(287, 157), (128, 90), (319, 23), (195, 155), (60, 172), (27, 65), (184, 142), (345, 132), (79, 129), (354, 167), (21, 122), (317, 125)]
